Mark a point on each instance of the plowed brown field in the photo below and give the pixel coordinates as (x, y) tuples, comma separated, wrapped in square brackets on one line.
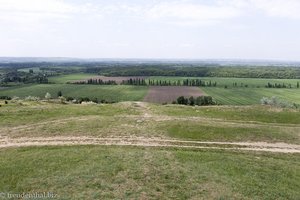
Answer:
[(167, 94)]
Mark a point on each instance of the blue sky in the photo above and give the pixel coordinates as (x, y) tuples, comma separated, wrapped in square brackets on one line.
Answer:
[(189, 29)]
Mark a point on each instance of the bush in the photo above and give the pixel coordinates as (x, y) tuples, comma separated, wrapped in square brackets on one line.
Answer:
[(5, 97), (274, 101), (69, 99), (62, 99), (59, 94), (182, 100), (200, 101), (32, 98), (48, 96), (15, 99)]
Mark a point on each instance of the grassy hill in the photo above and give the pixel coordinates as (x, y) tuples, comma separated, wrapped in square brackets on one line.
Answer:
[(94, 171)]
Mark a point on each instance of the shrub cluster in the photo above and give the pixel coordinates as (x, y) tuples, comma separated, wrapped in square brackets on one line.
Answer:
[(274, 101), (32, 98), (79, 100), (5, 97), (192, 101)]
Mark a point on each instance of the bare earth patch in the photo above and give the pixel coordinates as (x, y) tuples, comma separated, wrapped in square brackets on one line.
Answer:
[(167, 94)]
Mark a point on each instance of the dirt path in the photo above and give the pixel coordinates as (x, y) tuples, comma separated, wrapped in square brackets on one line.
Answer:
[(6, 142)]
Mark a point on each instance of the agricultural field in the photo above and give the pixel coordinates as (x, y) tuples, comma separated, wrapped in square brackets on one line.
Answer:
[(70, 78), (82, 77), (168, 94), (141, 150), (238, 91), (250, 96)]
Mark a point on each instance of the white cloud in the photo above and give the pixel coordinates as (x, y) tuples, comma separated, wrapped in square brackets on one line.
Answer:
[(45, 6), (279, 8), (35, 12), (289, 9), (182, 12)]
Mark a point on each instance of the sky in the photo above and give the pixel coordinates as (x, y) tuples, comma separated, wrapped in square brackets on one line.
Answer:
[(151, 29)]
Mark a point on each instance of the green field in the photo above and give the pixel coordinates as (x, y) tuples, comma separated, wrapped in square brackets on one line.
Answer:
[(91, 172), (70, 77), (109, 93), (249, 114), (250, 96), (221, 82)]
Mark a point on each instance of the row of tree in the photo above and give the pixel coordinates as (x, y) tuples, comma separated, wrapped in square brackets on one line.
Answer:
[(96, 82), (186, 82), (134, 81), (279, 85)]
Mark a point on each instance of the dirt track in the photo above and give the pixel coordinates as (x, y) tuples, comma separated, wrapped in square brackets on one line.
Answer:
[(6, 142)]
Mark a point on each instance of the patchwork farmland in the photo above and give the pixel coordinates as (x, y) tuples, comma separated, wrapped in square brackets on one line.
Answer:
[(115, 140)]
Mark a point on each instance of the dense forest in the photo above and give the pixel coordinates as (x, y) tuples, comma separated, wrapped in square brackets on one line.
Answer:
[(200, 71)]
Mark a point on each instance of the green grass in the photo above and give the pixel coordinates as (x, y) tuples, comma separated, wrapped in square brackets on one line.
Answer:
[(228, 132), (102, 172), (110, 93), (249, 96), (32, 112), (70, 77), (247, 114), (91, 172), (224, 123)]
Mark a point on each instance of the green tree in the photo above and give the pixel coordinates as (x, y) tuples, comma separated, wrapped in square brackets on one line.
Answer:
[(181, 100), (59, 93), (191, 101)]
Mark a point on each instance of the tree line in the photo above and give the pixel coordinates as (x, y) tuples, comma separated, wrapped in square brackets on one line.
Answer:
[(96, 82), (280, 85)]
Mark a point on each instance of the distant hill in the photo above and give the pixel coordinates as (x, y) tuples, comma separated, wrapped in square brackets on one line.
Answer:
[(220, 62)]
